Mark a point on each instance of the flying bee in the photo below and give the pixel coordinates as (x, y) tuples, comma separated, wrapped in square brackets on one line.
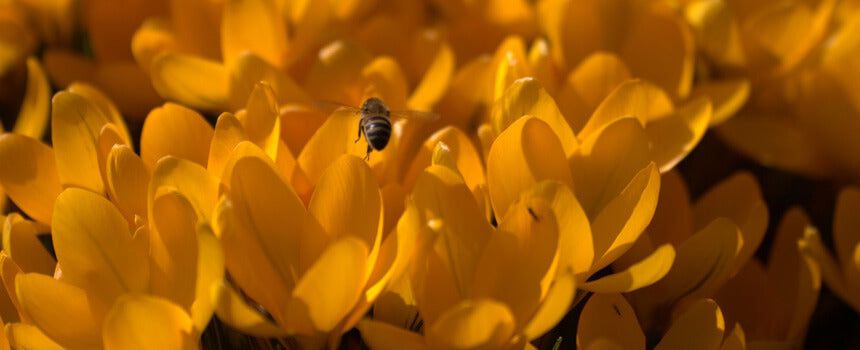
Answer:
[(375, 122)]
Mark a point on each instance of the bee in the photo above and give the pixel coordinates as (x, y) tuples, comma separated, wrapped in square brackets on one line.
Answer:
[(375, 122)]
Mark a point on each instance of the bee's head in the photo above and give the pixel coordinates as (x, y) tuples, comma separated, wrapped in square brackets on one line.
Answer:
[(374, 106)]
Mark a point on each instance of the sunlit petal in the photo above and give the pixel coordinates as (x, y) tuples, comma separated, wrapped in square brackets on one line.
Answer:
[(29, 175), (481, 323), (127, 178), (193, 81), (76, 123), (641, 274), (20, 241), (33, 115), (526, 97), (139, 321), (256, 26), (609, 317), (383, 336), (700, 327), (174, 130)]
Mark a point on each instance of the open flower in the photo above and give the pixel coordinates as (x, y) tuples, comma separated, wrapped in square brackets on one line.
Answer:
[(314, 269), (609, 322), (842, 273), (110, 280), (476, 285)]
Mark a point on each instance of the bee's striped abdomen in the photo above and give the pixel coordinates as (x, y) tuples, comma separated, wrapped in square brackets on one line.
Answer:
[(377, 130)]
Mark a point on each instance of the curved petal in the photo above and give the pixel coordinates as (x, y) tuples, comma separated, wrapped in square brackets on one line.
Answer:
[(139, 321), (250, 69), (233, 310), (717, 31), (228, 133), (668, 62), (472, 324), (173, 248), (196, 82), (674, 136), (187, 178), (127, 179), (299, 123), (174, 130), (50, 304), (382, 77), (518, 258), (33, 114), (347, 202), (588, 85), (526, 97), (336, 136), (256, 26), (609, 317), (11, 311), (526, 152), (26, 336), (76, 123), (727, 97), (468, 160), (103, 103), (639, 275), (263, 223), (739, 199), (330, 287), (262, 120), (383, 336), (633, 98), (29, 175), (435, 82), (552, 308), (736, 340), (701, 326), (20, 241), (576, 250), (155, 36), (95, 247), (332, 78), (210, 274)]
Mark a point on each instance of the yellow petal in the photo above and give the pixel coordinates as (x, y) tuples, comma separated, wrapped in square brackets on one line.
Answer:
[(261, 119), (736, 340), (330, 287), (576, 250), (193, 81), (472, 324), (727, 97), (552, 308), (464, 102), (668, 62), (299, 123), (812, 246), (108, 137), (639, 275), (250, 69), (739, 199), (210, 275), (94, 246), (383, 78), (435, 82), (228, 133), (25, 336), (76, 123), (21, 242), (382, 336), (127, 178), (673, 218), (609, 317), (50, 304), (347, 202), (837, 58), (107, 107), (235, 311), (846, 226), (715, 24), (509, 64), (173, 248), (174, 130), (33, 115), (337, 136), (517, 258), (332, 77), (633, 98), (588, 84), (543, 68), (198, 33), (700, 327), (674, 136), (155, 36), (139, 321), (526, 152), (702, 263), (127, 84), (262, 224), (775, 141), (11, 311), (461, 148), (526, 97), (187, 178), (606, 163), (256, 26), (29, 175)]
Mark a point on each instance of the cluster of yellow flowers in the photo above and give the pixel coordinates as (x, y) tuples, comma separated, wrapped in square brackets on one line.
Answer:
[(546, 187)]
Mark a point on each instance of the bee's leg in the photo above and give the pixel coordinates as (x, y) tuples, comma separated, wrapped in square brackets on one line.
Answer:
[(369, 149), (360, 127)]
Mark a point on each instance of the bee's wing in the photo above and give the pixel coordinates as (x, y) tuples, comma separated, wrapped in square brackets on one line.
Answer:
[(423, 116), (329, 107)]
